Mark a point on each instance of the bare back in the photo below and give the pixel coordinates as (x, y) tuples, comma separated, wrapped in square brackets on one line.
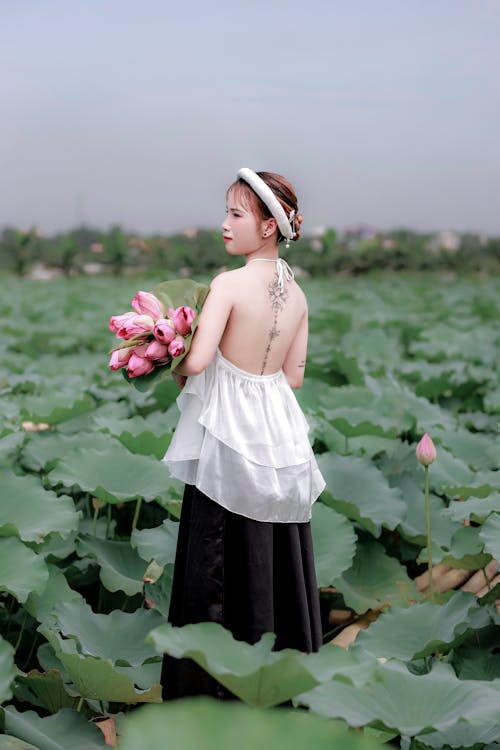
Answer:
[(264, 322)]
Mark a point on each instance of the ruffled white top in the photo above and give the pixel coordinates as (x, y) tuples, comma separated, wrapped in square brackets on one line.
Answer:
[(242, 439)]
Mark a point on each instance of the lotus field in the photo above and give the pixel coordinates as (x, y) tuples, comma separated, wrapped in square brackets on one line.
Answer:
[(89, 516)]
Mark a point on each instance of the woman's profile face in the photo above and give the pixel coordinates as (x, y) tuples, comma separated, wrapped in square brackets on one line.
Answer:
[(241, 231)]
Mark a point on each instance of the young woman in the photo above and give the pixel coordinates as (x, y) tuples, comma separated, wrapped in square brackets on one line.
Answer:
[(244, 554)]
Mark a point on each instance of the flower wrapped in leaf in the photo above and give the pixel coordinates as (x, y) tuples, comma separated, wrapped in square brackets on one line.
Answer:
[(157, 336)]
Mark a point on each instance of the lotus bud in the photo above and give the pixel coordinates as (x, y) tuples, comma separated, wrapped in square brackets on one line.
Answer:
[(136, 326), (183, 317), (120, 357), (164, 330), (156, 350), (176, 347), (146, 303), (426, 451), (117, 321), (139, 366)]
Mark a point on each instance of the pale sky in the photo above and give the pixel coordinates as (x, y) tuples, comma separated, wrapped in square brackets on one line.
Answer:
[(385, 112)]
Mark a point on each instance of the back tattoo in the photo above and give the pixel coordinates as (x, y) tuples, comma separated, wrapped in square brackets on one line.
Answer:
[(277, 298)]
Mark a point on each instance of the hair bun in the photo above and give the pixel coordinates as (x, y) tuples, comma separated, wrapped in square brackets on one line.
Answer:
[(297, 221)]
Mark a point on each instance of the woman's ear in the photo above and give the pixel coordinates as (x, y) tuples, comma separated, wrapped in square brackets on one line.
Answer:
[(269, 226)]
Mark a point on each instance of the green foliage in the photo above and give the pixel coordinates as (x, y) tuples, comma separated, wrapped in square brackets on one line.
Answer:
[(89, 513), (202, 722)]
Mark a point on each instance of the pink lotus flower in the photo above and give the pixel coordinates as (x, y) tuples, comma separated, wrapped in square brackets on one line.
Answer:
[(146, 303), (120, 357), (156, 350), (176, 347), (183, 317), (139, 366), (136, 326), (164, 330), (117, 321), (426, 451)]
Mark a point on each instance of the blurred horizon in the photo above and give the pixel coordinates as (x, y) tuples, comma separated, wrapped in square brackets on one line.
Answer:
[(383, 115)]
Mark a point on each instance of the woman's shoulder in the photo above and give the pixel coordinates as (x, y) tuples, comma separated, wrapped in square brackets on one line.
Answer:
[(226, 279)]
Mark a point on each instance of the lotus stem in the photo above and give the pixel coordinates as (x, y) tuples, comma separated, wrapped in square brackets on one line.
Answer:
[(428, 525), (96, 515), (108, 520), (20, 636), (80, 704), (136, 513)]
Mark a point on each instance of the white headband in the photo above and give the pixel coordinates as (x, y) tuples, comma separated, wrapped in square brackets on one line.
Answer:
[(268, 197)]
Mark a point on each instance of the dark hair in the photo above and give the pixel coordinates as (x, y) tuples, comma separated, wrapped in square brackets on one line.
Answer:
[(283, 191)]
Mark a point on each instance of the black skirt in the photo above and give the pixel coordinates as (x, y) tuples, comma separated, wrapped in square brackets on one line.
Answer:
[(252, 577)]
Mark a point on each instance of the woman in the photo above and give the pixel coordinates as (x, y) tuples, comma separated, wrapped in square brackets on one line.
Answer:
[(244, 554)]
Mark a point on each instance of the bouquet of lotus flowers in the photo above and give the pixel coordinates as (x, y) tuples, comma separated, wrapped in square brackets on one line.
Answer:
[(157, 335)]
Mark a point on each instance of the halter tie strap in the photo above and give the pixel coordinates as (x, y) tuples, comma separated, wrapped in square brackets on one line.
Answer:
[(283, 270)]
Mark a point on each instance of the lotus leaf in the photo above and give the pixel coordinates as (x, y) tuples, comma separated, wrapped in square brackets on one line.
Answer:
[(406, 702), (121, 568), (157, 544), (7, 670), (421, 630), (205, 723), (334, 543), (32, 513), (22, 571), (113, 475), (376, 580), (359, 490), (52, 732)]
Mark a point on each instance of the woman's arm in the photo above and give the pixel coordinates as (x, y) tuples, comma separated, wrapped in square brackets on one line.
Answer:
[(213, 320), (295, 360)]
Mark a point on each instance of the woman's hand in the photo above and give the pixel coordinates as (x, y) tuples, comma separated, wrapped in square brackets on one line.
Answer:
[(179, 379)]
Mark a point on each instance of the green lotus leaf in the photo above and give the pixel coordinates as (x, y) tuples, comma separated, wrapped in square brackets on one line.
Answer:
[(98, 679), (211, 725), (158, 593), (157, 544), (469, 447), (357, 489), (490, 535), (21, 570), (334, 543), (447, 471), (255, 673), (413, 526), (44, 449), (32, 513), (52, 732), (406, 702), (49, 689), (467, 550), (56, 406), (475, 508), (13, 743), (375, 580), (95, 678), (96, 633), (482, 484), (463, 734), (121, 568), (423, 629), (474, 662), (7, 670), (113, 475), (352, 422), (57, 590)]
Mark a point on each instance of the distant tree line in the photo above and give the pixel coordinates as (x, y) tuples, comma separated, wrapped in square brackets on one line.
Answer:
[(85, 250)]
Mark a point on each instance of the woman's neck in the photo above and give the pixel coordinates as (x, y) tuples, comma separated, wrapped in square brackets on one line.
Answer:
[(269, 253)]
